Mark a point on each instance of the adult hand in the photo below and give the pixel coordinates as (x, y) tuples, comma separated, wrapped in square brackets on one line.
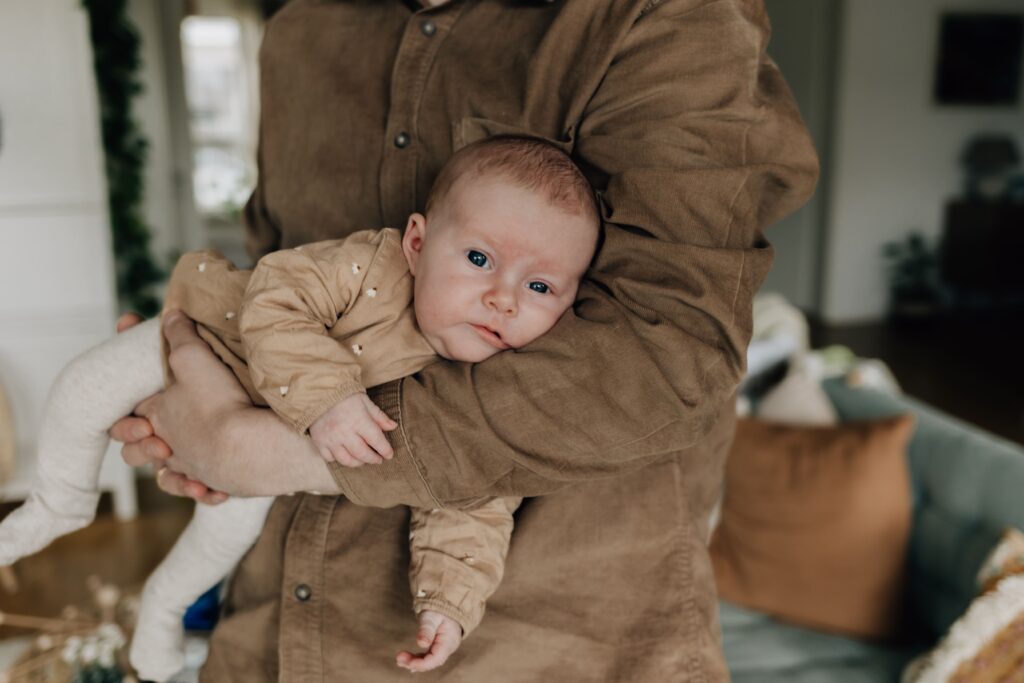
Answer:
[(142, 446), (191, 414)]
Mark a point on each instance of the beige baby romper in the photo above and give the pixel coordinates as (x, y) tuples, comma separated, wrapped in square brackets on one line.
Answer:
[(311, 325)]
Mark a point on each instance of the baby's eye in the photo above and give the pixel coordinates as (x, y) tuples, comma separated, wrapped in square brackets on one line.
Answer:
[(539, 287), (477, 258)]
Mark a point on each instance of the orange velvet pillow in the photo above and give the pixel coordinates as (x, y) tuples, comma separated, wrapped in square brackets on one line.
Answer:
[(815, 523)]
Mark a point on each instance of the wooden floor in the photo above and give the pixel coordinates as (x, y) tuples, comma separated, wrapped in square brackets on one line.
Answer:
[(122, 553)]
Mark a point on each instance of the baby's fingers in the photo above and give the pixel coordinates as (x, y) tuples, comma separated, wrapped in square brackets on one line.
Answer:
[(447, 641), (436, 657), (359, 449), (419, 663), (429, 623), (339, 455), (440, 635), (376, 440), (378, 415)]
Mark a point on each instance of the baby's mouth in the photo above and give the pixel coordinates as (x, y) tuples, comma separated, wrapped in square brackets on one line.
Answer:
[(490, 336)]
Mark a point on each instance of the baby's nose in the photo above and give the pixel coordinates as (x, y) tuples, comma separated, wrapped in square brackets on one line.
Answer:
[(501, 301)]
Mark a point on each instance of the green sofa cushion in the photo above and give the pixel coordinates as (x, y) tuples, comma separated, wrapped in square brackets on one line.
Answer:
[(760, 649)]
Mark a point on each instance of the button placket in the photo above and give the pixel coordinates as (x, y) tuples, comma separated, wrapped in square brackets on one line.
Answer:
[(420, 43), (302, 603)]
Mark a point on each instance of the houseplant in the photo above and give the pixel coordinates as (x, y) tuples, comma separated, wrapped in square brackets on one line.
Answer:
[(914, 289)]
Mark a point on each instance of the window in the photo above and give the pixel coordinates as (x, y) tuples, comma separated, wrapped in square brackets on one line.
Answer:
[(221, 113)]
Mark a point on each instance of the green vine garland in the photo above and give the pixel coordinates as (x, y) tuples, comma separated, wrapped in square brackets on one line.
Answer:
[(115, 44)]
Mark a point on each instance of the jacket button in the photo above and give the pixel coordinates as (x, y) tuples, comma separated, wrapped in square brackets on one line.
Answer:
[(303, 592), (428, 27), (402, 140)]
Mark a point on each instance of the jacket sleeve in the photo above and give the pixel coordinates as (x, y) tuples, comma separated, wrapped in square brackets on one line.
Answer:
[(695, 144), (457, 558), (294, 298)]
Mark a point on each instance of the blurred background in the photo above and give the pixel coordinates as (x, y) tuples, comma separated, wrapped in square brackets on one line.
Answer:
[(124, 144)]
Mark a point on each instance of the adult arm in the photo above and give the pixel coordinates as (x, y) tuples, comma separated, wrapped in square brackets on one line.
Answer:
[(696, 146), (214, 435), (141, 446)]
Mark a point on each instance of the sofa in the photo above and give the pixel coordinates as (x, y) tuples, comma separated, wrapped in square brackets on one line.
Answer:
[(967, 487)]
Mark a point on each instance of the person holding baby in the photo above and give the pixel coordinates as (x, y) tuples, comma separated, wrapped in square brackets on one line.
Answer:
[(618, 418), (509, 228)]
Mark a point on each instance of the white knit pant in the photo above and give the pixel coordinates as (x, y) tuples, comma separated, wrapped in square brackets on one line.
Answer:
[(95, 390)]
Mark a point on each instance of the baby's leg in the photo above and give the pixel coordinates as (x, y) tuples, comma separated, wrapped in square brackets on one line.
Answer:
[(212, 544), (91, 393)]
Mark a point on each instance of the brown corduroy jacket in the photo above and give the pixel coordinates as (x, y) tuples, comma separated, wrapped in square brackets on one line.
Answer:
[(621, 413)]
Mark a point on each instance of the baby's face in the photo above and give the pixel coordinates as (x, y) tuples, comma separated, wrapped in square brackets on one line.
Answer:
[(495, 268)]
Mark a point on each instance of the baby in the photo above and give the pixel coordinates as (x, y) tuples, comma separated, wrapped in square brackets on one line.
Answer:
[(509, 228)]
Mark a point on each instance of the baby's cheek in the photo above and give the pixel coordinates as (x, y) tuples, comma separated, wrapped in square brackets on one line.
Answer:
[(536, 322), (447, 301)]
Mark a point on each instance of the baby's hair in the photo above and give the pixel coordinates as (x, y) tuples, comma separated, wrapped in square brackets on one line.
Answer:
[(530, 163)]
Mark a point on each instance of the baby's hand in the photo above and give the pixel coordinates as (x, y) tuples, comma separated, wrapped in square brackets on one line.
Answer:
[(352, 433), (439, 635)]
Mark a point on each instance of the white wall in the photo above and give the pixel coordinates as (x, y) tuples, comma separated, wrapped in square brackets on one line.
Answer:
[(56, 264), (803, 44), (895, 153)]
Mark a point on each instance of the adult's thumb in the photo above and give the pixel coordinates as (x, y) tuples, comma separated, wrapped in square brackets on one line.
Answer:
[(179, 330)]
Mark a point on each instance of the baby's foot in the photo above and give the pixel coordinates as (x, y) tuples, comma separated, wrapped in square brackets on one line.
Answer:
[(158, 644), (36, 524)]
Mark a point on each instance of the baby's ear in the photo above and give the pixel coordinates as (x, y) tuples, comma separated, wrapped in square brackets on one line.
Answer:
[(412, 240)]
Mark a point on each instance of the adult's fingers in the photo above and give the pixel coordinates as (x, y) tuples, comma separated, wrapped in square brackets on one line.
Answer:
[(128, 320), (131, 429), (204, 494), (141, 447), (148, 407), (174, 483), (151, 450), (186, 350), (214, 498), (197, 367), (177, 484), (179, 330)]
